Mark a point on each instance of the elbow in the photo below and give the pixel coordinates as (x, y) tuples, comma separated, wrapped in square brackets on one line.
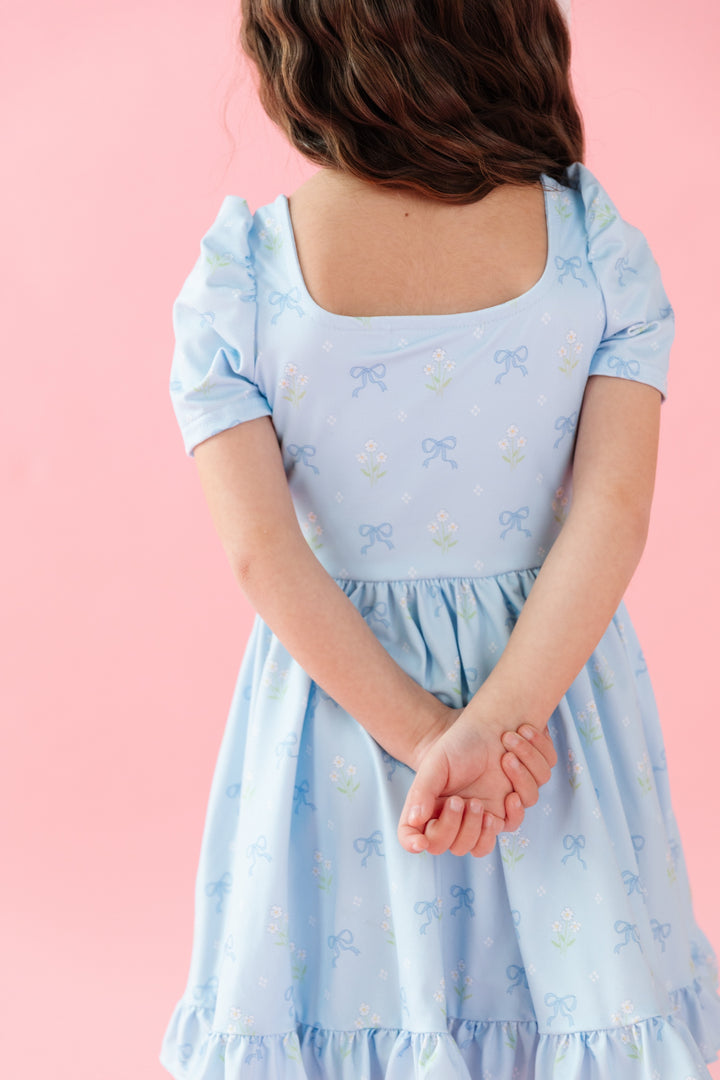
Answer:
[(632, 522), (242, 570), (620, 512), (635, 515), (266, 558)]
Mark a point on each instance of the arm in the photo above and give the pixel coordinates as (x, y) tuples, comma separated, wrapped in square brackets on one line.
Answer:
[(592, 561), (243, 478), (244, 482), (570, 605)]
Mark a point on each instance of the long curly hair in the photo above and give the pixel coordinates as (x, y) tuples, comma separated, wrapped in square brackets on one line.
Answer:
[(449, 98)]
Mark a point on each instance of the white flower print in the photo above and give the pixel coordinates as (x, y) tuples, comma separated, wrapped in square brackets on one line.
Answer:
[(644, 773), (313, 531), (563, 931), (512, 847), (322, 871), (440, 372), (343, 776), (443, 535), (512, 442), (588, 722), (372, 460), (271, 234), (558, 505), (570, 357), (290, 381), (574, 768)]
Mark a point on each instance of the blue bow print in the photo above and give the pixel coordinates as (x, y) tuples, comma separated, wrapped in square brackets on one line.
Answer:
[(343, 940), (660, 931), (631, 367), (219, 888), (517, 973), (286, 300), (633, 883), (256, 1048), (511, 359), (377, 611), (464, 897), (512, 519), (300, 795), (572, 845), (284, 747), (374, 374), (566, 425), (631, 934), (376, 532), (366, 845), (428, 908), (302, 453), (561, 1005), (433, 447), (622, 266), (257, 850), (568, 266)]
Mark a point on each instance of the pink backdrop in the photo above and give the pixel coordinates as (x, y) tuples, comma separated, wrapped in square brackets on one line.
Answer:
[(123, 625)]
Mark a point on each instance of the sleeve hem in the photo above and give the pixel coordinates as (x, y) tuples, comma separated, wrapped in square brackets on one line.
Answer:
[(651, 378), (220, 419)]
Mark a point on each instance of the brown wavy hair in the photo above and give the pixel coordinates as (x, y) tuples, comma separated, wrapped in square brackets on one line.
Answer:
[(447, 97)]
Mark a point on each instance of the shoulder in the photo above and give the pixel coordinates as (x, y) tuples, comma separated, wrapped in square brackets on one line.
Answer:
[(599, 209), (225, 258), (226, 263)]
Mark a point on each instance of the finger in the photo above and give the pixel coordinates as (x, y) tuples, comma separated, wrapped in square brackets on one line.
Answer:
[(526, 748), (522, 780), (514, 812), (543, 741), (412, 839), (470, 828), (490, 829), (442, 831), (421, 799)]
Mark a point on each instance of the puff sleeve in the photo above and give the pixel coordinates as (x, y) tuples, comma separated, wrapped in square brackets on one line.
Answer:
[(639, 319), (212, 376)]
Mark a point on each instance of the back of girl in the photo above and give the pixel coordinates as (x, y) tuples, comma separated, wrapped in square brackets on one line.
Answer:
[(423, 397)]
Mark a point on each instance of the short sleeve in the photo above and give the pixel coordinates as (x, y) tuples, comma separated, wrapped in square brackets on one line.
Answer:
[(639, 319), (212, 376)]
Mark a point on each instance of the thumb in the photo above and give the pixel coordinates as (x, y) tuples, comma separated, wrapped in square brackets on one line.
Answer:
[(430, 781)]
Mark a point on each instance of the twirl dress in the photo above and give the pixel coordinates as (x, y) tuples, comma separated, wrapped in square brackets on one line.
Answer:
[(429, 460)]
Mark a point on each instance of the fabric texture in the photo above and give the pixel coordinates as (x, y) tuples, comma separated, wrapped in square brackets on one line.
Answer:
[(429, 460)]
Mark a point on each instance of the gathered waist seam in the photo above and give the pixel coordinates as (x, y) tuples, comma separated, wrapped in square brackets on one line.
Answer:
[(435, 580)]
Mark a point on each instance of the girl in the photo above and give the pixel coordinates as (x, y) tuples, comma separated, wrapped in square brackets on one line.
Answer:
[(423, 397)]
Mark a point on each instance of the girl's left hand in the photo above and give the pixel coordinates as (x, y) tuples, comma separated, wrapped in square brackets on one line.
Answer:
[(452, 804)]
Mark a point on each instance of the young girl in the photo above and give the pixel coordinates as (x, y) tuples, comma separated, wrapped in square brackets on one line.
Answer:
[(423, 398)]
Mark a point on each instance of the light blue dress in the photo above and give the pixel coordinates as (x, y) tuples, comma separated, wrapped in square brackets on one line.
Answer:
[(430, 464)]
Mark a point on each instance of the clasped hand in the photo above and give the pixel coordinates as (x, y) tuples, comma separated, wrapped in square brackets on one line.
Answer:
[(467, 788)]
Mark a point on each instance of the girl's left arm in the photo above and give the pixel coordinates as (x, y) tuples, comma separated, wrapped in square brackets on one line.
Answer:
[(243, 478)]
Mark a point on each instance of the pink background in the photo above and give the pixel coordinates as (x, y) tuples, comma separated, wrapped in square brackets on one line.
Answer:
[(124, 627)]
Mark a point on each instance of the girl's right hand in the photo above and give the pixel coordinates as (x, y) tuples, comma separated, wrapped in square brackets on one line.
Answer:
[(530, 756)]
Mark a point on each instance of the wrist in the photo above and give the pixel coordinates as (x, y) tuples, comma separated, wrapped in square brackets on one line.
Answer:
[(434, 720), (501, 709)]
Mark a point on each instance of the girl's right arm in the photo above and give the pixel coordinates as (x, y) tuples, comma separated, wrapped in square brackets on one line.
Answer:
[(569, 607)]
